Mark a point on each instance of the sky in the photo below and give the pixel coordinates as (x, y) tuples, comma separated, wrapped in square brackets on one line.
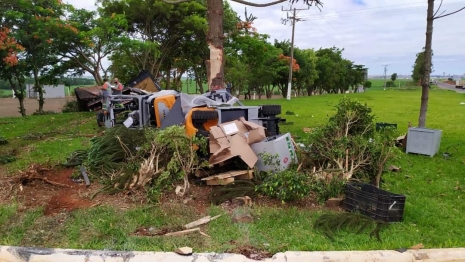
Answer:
[(371, 32)]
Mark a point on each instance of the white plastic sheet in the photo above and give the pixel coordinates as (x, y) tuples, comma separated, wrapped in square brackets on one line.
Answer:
[(190, 101)]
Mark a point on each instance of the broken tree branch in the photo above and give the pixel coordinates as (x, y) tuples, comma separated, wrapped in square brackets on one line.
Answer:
[(185, 232), (441, 16), (202, 221)]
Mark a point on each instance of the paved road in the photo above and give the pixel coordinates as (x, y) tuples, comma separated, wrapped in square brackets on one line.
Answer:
[(450, 87), (9, 106)]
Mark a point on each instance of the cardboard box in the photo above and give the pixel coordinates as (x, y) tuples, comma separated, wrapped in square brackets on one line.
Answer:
[(233, 139), (280, 145)]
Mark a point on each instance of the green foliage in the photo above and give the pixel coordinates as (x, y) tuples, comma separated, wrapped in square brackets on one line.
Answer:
[(352, 118), (419, 68), (382, 149), (70, 106), (76, 158), (110, 153), (239, 188), (367, 84), (324, 189), (177, 154), (390, 84), (5, 159), (331, 224), (348, 143), (394, 77), (336, 74), (43, 112), (285, 185)]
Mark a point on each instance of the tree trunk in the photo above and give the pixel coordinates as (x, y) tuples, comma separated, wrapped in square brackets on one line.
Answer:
[(38, 88), (198, 80), (215, 38), (19, 94), (426, 76)]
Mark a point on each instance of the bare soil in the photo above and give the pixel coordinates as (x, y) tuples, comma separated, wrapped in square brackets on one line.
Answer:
[(9, 106), (251, 252), (57, 192)]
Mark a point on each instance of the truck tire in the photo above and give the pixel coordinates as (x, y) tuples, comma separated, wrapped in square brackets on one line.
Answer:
[(205, 115), (271, 110)]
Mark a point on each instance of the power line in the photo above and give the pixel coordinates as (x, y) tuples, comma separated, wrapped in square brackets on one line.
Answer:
[(294, 19), (361, 11)]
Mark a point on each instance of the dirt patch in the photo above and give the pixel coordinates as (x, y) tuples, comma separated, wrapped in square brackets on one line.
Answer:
[(151, 231), (251, 252), (57, 192), (9, 106), (196, 198), (64, 202)]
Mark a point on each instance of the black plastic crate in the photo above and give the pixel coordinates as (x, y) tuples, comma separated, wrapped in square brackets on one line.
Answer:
[(382, 125), (374, 202)]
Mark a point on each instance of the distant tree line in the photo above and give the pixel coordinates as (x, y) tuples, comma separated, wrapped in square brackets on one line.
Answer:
[(42, 42)]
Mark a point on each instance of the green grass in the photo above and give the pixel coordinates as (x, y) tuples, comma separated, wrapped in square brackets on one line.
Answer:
[(59, 135), (6, 93), (434, 187)]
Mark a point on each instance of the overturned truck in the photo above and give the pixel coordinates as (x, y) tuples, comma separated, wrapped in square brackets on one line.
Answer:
[(233, 129), (198, 113)]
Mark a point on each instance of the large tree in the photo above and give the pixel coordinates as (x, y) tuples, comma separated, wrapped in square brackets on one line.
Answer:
[(215, 35), (160, 32), (11, 69), (430, 17), (87, 39), (307, 74), (33, 23)]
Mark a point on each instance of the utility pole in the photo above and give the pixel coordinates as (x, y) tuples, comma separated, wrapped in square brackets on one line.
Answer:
[(293, 20), (385, 70)]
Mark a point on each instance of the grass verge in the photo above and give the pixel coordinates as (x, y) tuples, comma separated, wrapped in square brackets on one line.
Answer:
[(434, 188)]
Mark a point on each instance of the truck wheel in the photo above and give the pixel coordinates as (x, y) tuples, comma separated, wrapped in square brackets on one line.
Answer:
[(205, 115), (271, 110)]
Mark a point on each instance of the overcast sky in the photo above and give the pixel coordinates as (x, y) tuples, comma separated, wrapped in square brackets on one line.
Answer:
[(372, 32)]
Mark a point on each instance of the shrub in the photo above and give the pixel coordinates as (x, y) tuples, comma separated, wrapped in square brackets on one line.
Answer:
[(328, 187), (348, 144), (367, 84), (70, 106), (390, 84), (287, 185)]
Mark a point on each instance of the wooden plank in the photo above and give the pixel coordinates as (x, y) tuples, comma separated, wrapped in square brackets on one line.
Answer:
[(226, 175), (220, 182), (246, 176)]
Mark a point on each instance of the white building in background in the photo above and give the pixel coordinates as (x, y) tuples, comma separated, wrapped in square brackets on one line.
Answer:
[(50, 91)]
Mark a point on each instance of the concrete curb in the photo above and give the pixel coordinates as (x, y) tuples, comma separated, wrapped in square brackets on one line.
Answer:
[(25, 254)]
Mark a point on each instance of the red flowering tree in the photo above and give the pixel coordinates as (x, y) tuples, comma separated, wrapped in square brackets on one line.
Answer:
[(10, 67), (34, 25)]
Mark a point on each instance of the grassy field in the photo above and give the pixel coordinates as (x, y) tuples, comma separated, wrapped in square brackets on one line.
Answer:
[(434, 188), (6, 93)]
